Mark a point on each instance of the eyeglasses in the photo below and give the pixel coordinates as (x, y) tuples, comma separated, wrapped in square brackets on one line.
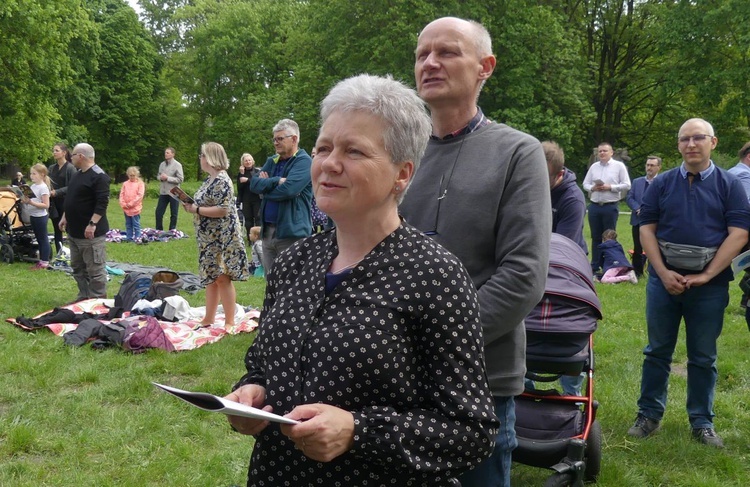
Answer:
[(698, 139), (279, 139), (74, 154)]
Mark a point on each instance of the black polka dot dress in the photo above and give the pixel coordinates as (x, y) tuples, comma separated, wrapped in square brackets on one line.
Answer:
[(397, 343)]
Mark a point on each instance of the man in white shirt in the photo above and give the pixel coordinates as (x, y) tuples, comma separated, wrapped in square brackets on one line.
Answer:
[(605, 181)]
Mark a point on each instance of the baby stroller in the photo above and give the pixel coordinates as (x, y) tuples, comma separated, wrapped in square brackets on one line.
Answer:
[(17, 240), (554, 430)]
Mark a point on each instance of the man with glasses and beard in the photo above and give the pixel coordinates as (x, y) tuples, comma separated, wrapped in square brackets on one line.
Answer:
[(481, 194), (285, 185)]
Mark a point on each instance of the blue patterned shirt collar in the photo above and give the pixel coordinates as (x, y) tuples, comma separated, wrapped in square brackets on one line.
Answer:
[(478, 121), (704, 174)]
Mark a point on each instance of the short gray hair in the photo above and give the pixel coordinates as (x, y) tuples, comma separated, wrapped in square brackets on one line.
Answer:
[(287, 125), (86, 150), (407, 124), (482, 39), (709, 127), (216, 157)]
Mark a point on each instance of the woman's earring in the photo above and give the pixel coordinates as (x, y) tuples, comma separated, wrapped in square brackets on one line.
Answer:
[(397, 188)]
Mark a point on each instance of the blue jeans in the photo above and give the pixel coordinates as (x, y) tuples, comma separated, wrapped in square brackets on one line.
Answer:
[(570, 385), (495, 471), (39, 226), (703, 310), (132, 227), (161, 208), (601, 217)]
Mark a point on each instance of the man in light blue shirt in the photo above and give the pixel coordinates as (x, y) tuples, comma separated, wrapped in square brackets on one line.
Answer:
[(742, 169)]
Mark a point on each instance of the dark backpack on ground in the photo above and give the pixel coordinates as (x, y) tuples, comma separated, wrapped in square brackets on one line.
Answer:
[(135, 286), (163, 285)]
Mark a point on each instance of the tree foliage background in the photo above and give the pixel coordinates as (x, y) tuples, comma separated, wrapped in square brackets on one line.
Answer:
[(577, 71)]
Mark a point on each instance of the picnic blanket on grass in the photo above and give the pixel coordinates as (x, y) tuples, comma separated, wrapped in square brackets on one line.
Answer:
[(181, 333), (147, 235), (190, 282)]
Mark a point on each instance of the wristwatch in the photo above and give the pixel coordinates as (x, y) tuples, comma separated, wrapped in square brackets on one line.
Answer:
[(92, 223)]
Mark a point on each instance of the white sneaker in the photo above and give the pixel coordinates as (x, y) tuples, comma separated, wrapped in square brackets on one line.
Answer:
[(633, 278)]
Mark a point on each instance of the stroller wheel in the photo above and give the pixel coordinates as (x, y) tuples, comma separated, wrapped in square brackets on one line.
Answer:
[(559, 480), (593, 452), (6, 253)]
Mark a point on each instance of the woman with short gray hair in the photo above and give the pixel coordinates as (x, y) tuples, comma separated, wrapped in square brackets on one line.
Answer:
[(369, 333)]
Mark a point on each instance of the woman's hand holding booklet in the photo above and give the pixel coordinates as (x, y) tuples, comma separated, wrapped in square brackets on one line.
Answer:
[(178, 193), (215, 404)]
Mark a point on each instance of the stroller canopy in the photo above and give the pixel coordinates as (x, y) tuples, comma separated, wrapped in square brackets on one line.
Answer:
[(9, 208), (570, 303)]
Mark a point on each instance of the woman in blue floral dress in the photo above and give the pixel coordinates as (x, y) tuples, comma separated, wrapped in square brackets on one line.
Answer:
[(221, 249)]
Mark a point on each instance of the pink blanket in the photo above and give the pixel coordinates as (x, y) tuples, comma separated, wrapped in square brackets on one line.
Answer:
[(181, 333)]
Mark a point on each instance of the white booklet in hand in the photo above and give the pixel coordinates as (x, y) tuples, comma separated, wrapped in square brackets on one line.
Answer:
[(216, 404)]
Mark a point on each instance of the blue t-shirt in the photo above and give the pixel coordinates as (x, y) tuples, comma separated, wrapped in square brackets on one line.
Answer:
[(334, 279)]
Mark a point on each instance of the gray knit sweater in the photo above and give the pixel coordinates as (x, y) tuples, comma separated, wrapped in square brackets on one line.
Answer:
[(496, 217)]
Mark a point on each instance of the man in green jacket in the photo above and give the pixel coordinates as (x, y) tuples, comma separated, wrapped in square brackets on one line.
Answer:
[(285, 185)]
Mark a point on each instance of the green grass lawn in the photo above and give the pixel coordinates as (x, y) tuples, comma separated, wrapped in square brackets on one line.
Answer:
[(72, 417)]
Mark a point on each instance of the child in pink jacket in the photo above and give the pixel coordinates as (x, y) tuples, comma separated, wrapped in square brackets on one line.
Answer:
[(131, 201)]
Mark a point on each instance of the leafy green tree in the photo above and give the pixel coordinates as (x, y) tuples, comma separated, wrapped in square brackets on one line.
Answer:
[(234, 71), (577, 71), (34, 67), (538, 85), (706, 51), (125, 116), (618, 60), (165, 26)]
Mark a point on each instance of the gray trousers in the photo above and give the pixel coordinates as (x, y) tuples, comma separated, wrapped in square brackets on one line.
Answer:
[(87, 258), (273, 246)]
